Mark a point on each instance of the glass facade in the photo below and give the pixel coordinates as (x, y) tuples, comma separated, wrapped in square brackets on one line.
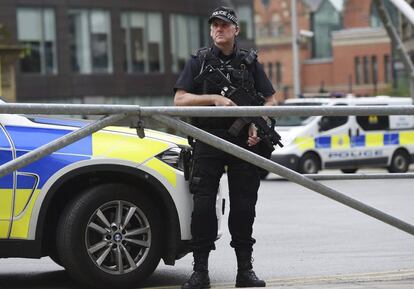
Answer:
[(278, 73), (36, 29), (365, 67), (188, 33), (357, 70), (109, 49), (375, 20), (144, 42), (387, 68), (245, 22), (324, 21), (374, 68), (270, 71), (90, 41)]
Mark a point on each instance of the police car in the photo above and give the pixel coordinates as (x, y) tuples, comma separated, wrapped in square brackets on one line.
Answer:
[(346, 142), (107, 208)]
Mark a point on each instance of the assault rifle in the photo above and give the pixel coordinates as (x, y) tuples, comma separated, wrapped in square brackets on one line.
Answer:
[(242, 97)]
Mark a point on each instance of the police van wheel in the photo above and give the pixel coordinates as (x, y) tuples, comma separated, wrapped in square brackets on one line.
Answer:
[(110, 237), (309, 163), (400, 162)]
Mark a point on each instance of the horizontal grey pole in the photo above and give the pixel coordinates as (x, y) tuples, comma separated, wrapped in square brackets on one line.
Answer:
[(324, 177), (202, 111), (282, 171), (57, 144)]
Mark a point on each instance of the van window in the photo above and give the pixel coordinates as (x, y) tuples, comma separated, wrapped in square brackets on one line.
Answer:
[(330, 122), (374, 122)]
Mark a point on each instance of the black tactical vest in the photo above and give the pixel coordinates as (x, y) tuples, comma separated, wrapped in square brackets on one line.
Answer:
[(238, 68)]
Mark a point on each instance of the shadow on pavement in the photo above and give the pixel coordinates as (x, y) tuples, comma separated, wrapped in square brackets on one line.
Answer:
[(54, 279), (61, 280)]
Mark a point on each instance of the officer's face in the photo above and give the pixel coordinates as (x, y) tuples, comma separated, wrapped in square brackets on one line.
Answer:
[(223, 32)]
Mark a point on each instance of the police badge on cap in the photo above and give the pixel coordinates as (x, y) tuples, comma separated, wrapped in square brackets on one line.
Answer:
[(225, 14)]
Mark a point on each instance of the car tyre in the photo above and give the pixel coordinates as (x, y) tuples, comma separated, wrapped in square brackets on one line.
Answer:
[(110, 237), (400, 162), (309, 164)]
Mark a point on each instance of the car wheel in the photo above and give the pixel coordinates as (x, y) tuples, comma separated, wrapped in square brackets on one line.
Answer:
[(309, 164), (348, 171), (110, 237), (400, 162)]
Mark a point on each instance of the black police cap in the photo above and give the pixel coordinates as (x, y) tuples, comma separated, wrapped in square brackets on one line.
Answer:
[(224, 13)]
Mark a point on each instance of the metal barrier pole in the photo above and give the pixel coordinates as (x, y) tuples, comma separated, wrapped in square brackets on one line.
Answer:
[(203, 111), (282, 171), (361, 176), (57, 144)]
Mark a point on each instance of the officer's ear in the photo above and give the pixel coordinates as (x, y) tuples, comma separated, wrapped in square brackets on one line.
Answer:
[(237, 30)]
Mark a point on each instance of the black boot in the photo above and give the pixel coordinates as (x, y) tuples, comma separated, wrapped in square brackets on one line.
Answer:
[(199, 279), (245, 274)]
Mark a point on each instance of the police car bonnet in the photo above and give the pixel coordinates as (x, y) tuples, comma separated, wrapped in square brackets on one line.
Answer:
[(225, 14)]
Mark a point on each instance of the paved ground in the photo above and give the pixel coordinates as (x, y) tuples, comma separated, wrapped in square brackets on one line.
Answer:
[(304, 241), (402, 279)]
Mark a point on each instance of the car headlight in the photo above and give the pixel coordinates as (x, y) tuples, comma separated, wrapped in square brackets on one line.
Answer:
[(174, 157)]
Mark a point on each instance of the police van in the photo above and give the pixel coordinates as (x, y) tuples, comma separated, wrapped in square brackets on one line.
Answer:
[(313, 143)]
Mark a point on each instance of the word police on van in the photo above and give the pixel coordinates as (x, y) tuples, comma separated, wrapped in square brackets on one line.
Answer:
[(346, 142)]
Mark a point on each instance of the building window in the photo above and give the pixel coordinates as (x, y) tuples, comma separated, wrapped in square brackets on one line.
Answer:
[(324, 21), (36, 29), (374, 67), (245, 16), (188, 33), (90, 41), (387, 68), (270, 71), (278, 73), (357, 70), (365, 67), (143, 42)]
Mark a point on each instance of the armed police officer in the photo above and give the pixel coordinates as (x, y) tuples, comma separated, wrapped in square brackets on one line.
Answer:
[(242, 69)]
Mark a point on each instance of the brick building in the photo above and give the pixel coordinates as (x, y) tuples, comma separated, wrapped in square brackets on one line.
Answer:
[(349, 52)]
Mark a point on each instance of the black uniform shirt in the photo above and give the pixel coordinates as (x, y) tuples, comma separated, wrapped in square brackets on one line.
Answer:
[(192, 69)]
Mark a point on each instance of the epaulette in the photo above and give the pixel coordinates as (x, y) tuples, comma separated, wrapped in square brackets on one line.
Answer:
[(249, 56), (201, 53)]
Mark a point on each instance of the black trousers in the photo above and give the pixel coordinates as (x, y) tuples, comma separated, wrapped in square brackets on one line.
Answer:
[(244, 181)]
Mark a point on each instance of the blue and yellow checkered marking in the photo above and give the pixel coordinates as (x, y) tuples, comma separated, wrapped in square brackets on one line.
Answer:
[(367, 140)]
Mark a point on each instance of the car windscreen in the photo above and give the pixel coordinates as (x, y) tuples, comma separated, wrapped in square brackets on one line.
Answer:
[(296, 120), (59, 121)]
